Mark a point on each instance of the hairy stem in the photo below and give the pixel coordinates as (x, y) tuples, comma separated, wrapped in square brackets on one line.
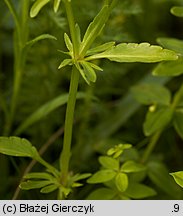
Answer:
[(66, 152)]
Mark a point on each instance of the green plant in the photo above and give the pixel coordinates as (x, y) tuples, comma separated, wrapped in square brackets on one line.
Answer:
[(123, 178)]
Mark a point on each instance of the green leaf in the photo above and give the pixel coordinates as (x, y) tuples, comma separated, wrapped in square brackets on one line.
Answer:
[(132, 166), (159, 175), (94, 66), (133, 52), (30, 43), (178, 122), (49, 188), (78, 33), (15, 146), (56, 5), (79, 177), (45, 110), (178, 177), (37, 6), (28, 185), (102, 194), (82, 73), (121, 182), (94, 29), (139, 191), (177, 11), (172, 44), (157, 119), (173, 68), (89, 72), (68, 43), (109, 163), (102, 176), (100, 48), (39, 175), (151, 94), (65, 62)]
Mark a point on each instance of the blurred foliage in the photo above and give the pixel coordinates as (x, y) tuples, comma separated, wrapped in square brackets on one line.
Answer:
[(100, 124)]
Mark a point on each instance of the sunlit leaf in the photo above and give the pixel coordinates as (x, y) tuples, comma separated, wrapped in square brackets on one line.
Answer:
[(151, 94), (94, 29), (178, 177), (109, 163), (68, 43), (39, 175), (65, 62), (132, 166), (102, 176), (102, 194), (37, 6), (89, 71), (133, 52), (100, 48), (121, 181), (28, 185), (15, 146), (49, 188), (56, 5)]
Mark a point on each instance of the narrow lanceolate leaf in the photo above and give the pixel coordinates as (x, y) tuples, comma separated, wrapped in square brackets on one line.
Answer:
[(132, 52), (94, 66), (102, 176), (178, 177), (37, 6), (37, 39), (45, 110), (80, 69), (78, 33), (49, 188), (56, 5), (28, 185), (172, 68), (39, 175), (65, 62), (15, 146), (89, 72), (178, 122), (100, 48), (68, 43), (121, 182), (151, 94), (94, 29), (177, 11), (172, 44)]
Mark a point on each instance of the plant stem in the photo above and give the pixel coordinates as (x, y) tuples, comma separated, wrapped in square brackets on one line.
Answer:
[(66, 152), (71, 21), (151, 146)]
